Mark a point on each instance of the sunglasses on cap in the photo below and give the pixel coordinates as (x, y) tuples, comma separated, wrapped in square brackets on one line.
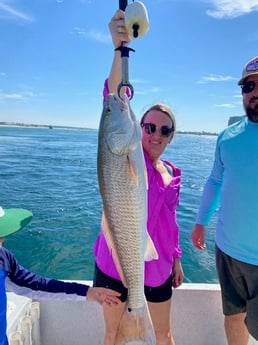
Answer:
[(248, 86), (150, 128)]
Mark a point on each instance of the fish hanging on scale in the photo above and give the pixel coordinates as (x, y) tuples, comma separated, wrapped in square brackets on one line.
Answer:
[(123, 187)]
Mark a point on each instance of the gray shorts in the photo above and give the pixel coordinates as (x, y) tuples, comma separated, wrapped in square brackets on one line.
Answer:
[(239, 289)]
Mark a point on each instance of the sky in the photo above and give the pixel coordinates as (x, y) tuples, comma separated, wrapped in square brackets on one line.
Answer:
[(55, 55)]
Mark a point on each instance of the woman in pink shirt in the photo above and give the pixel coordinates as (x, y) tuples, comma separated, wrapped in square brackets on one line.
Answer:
[(158, 128)]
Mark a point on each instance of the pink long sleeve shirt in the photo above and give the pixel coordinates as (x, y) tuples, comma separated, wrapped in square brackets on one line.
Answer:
[(161, 225)]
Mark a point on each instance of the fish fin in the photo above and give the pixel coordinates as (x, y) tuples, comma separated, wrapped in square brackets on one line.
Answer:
[(150, 252), (133, 170), (112, 247), (146, 177), (136, 327)]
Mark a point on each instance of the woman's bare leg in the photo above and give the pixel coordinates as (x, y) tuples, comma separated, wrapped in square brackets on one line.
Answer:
[(112, 317), (160, 315)]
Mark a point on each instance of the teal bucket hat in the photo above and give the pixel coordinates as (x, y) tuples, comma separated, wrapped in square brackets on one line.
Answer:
[(13, 219)]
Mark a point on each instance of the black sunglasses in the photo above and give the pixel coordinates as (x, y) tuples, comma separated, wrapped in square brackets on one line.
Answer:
[(248, 86), (150, 128)]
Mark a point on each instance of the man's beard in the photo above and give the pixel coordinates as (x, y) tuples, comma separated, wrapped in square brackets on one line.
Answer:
[(252, 113)]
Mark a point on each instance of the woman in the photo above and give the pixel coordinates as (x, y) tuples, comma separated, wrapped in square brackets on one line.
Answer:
[(158, 128)]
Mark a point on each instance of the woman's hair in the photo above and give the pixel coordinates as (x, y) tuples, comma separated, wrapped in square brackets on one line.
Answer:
[(164, 109)]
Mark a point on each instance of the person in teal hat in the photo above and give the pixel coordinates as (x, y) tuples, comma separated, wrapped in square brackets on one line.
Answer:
[(16, 278)]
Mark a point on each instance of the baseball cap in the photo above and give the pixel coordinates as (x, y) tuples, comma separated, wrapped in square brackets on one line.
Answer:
[(250, 68), (13, 219)]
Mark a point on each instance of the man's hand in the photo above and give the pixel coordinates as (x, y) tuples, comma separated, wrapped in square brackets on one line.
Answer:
[(198, 236)]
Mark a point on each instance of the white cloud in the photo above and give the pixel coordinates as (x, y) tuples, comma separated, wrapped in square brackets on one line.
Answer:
[(16, 96), (155, 89), (14, 13), (92, 35), (232, 8), (98, 36), (138, 81), (225, 105), (13, 96), (214, 78), (6, 97)]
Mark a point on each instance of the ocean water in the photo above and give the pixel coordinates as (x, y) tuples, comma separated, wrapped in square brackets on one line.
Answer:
[(53, 173)]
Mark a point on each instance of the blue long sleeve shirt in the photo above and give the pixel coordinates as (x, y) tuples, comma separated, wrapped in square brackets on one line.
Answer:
[(3, 306), (16, 278), (233, 188)]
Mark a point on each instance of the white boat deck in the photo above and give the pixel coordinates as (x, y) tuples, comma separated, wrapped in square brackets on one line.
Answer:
[(197, 318)]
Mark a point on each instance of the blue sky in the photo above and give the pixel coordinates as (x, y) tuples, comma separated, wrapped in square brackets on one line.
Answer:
[(55, 55)]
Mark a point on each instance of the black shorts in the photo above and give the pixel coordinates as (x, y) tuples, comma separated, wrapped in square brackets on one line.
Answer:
[(157, 294), (239, 289)]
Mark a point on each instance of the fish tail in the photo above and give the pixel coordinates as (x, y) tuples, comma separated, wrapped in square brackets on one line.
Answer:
[(136, 328)]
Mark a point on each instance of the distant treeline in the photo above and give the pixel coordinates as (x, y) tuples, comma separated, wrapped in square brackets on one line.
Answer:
[(10, 124)]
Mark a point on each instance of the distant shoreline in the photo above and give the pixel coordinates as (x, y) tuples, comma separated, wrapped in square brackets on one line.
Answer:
[(22, 125)]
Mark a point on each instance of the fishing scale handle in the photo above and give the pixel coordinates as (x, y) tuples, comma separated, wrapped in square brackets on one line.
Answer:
[(124, 56), (122, 4)]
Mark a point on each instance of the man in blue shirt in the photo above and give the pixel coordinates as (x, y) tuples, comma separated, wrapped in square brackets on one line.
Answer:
[(18, 279), (233, 188)]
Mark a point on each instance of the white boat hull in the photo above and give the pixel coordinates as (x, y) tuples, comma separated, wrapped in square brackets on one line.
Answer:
[(196, 317)]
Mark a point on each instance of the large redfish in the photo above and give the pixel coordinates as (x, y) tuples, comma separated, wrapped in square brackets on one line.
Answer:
[(123, 187)]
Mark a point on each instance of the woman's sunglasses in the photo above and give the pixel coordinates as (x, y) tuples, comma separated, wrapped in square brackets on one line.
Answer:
[(248, 86), (150, 128)]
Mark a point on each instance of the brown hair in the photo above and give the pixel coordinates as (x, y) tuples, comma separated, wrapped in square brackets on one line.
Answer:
[(164, 109)]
